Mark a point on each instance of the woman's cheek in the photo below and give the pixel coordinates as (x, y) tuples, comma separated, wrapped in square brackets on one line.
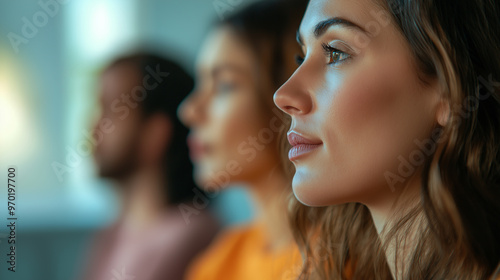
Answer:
[(358, 123), (235, 120), (363, 101), (233, 117)]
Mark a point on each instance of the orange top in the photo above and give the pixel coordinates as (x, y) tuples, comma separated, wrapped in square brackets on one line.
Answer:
[(241, 254)]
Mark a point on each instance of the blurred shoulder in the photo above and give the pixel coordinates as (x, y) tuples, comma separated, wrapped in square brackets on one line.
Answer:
[(237, 236)]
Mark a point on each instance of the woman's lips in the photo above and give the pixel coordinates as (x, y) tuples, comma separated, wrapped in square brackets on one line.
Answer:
[(196, 148), (301, 145)]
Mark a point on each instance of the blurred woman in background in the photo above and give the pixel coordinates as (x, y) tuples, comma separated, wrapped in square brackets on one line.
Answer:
[(235, 133), (396, 120)]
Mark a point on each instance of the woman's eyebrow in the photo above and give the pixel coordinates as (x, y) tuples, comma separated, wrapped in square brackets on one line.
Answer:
[(216, 72), (322, 26)]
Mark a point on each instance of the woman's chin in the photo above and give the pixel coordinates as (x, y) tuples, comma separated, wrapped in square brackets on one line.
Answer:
[(307, 192), (210, 183), (314, 193)]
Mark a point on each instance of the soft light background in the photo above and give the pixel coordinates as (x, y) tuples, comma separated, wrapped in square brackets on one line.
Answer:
[(47, 100)]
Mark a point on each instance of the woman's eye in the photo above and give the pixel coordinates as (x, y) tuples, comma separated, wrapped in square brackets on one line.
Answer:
[(337, 56), (334, 55), (225, 87)]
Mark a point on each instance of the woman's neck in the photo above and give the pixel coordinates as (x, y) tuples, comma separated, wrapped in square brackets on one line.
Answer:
[(270, 194), (387, 212)]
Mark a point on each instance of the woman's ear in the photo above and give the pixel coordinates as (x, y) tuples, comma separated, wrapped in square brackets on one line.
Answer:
[(443, 111), (443, 107)]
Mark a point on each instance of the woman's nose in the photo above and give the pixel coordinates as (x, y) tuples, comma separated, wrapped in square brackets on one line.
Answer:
[(292, 99), (190, 111)]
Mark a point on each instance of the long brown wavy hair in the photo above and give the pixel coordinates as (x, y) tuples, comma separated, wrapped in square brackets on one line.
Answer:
[(457, 222)]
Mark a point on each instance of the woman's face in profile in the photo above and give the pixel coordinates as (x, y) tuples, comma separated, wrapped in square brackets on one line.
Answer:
[(226, 116), (357, 104)]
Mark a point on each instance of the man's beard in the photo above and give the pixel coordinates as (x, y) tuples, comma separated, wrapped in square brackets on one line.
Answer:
[(118, 169)]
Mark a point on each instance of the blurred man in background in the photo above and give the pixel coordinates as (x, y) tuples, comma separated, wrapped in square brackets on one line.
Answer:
[(142, 148)]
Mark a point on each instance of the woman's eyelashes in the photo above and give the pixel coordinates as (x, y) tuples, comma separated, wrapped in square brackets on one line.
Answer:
[(299, 59), (334, 55)]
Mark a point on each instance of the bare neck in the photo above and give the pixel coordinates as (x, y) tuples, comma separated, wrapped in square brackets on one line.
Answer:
[(143, 198), (388, 212), (270, 194)]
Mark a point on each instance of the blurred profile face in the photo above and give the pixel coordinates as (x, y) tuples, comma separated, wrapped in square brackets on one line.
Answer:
[(357, 104), (231, 139), (115, 155)]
